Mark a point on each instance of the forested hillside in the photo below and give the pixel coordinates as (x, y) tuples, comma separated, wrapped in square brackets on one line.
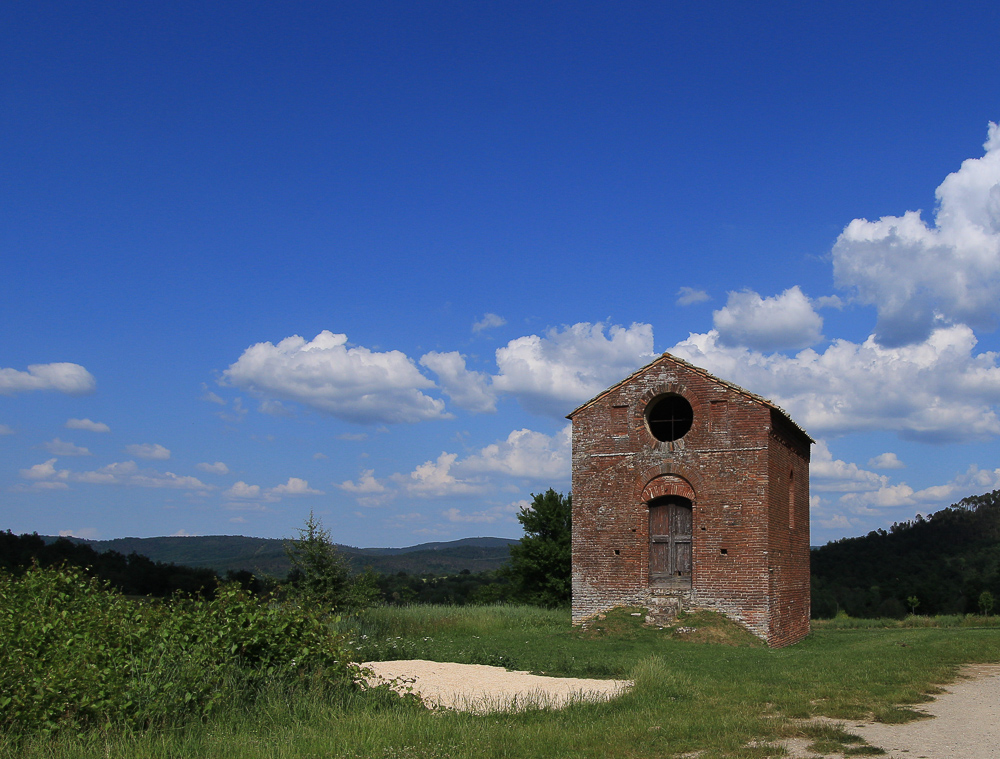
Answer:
[(266, 557), (939, 564), (132, 574)]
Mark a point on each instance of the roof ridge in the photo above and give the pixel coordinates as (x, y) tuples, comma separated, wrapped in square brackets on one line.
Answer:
[(667, 356)]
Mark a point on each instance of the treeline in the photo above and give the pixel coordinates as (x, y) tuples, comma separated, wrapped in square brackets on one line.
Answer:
[(537, 571), (137, 575), (464, 588), (132, 575), (945, 563)]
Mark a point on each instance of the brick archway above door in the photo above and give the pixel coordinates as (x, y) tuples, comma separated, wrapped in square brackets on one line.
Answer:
[(667, 484)]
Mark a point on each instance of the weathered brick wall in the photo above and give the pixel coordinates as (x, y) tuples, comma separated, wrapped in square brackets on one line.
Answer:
[(789, 529), (746, 560)]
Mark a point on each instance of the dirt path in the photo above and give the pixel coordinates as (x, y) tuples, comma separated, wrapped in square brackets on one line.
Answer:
[(478, 688), (965, 723), (965, 720)]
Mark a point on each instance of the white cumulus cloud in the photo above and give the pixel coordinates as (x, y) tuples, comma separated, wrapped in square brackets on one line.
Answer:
[(914, 273), (467, 389), (828, 474), (939, 390), (241, 491), (887, 460), (71, 379), (434, 479), (687, 296), (59, 447), (366, 484), (119, 473), (355, 384), (555, 373), (973, 481), (217, 468), (777, 323), (294, 486), (523, 455), (43, 471), (488, 321), (86, 424), (368, 490), (526, 454), (153, 451), (500, 513)]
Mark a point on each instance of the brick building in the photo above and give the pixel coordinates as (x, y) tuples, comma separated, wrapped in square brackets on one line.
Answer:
[(690, 492)]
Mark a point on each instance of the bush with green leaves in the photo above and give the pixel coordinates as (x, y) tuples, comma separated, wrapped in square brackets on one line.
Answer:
[(321, 574), (78, 654), (540, 565)]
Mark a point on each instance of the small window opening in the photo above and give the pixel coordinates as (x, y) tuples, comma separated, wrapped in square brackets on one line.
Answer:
[(669, 418), (724, 551), (618, 552)]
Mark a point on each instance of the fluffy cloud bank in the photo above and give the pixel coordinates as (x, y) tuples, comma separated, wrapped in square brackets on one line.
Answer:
[(915, 274), (217, 468), (46, 476), (241, 491), (71, 379), (524, 455), (938, 390), (355, 384), (153, 451), (553, 374), (549, 374), (86, 424), (489, 321), (466, 389), (767, 324), (865, 492), (59, 447), (847, 497)]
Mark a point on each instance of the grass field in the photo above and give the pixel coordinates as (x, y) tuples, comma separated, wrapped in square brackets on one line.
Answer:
[(715, 690)]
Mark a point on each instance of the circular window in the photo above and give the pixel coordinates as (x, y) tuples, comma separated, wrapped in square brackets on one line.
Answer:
[(669, 418)]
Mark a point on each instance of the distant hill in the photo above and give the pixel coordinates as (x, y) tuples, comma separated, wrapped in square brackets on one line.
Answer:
[(266, 556), (945, 561)]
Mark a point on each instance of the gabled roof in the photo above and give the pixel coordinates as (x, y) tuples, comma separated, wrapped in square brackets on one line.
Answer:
[(670, 358)]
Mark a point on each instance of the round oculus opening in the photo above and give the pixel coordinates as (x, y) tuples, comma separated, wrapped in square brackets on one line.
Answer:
[(669, 418)]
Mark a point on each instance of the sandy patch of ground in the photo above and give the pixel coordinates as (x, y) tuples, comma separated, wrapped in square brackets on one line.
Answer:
[(479, 688), (965, 723)]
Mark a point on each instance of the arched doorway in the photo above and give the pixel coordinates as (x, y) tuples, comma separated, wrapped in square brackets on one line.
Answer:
[(670, 529)]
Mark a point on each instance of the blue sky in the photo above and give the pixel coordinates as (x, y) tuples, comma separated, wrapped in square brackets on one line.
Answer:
[(265, 258)]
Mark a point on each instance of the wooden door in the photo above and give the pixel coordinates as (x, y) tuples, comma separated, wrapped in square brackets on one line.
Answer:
[(669, 538)]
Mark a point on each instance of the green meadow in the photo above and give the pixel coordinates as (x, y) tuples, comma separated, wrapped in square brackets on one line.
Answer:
[(711, 688)]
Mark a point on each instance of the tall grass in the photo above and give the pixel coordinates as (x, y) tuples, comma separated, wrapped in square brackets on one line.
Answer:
[(844, 622), (721, 698), (429, 619)]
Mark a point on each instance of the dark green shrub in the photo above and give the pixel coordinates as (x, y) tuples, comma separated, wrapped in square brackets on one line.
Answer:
[(78, 654)]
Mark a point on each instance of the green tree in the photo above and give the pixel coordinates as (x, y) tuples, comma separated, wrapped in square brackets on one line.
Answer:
[(322, 575), (985, 603), (540, 565)]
